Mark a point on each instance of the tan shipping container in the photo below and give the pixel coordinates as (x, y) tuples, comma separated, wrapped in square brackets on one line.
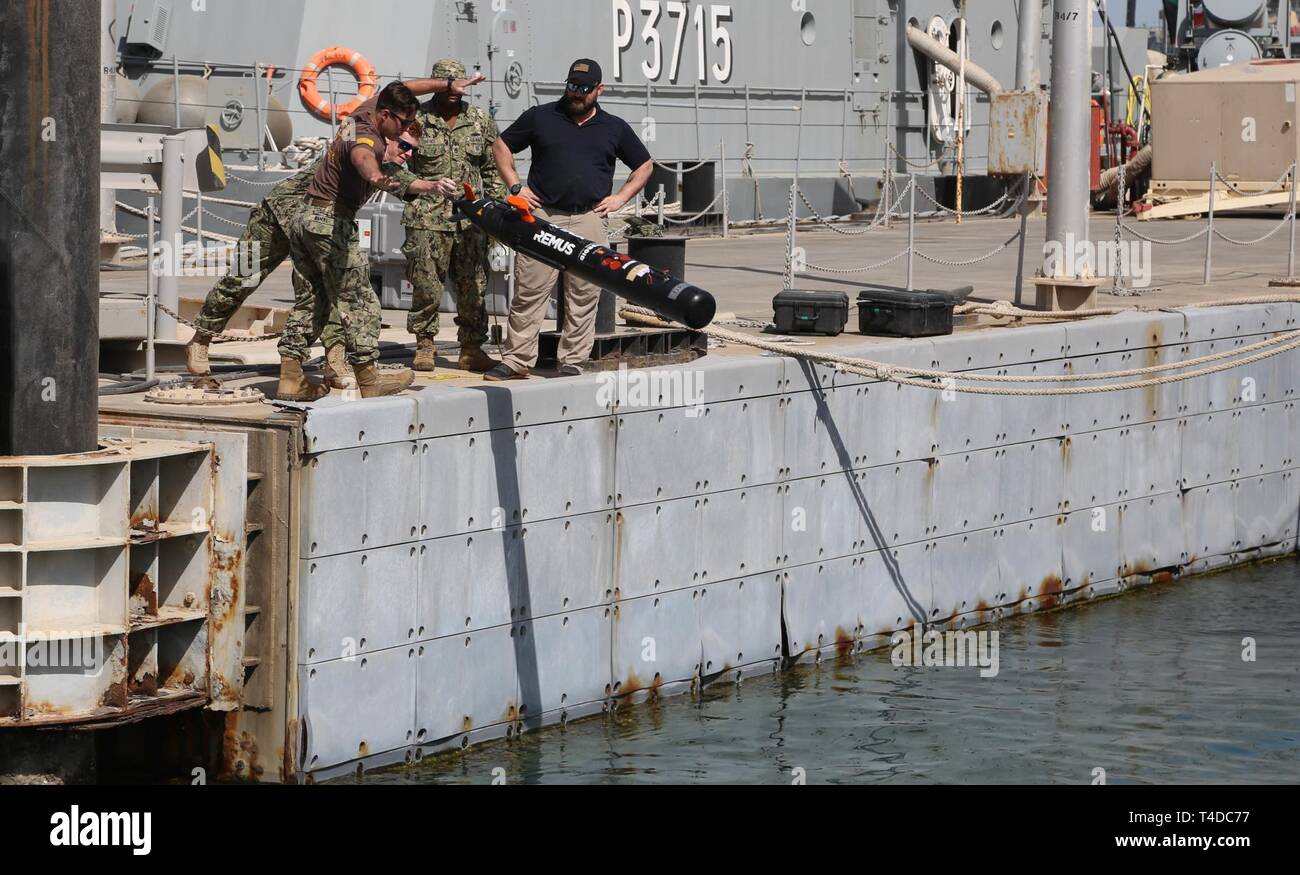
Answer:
[(1243, 117)]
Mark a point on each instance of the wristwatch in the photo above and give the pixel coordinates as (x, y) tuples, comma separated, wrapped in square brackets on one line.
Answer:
[(450, 82), (516, 188)]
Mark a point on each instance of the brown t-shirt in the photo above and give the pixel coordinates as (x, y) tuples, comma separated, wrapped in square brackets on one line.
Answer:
[(337, 179)]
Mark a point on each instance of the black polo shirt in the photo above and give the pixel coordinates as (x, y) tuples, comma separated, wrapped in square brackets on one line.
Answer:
[(573, 165)]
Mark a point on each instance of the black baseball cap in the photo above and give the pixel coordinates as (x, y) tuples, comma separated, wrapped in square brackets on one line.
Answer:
[(585, 71)]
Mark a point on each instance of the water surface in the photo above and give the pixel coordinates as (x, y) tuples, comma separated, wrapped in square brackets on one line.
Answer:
[(1150, 686)]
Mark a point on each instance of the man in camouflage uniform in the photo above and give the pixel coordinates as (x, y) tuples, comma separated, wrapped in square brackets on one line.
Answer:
[(457, 143), (324, 239), (266, 237)]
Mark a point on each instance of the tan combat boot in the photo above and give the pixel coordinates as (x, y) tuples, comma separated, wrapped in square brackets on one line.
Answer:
[(425, 354), (375, 383), (294, 385), (338, 373), (473, 358), (196, 355)]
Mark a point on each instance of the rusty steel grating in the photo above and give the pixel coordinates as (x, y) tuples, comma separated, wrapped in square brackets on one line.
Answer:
[(108, 562)]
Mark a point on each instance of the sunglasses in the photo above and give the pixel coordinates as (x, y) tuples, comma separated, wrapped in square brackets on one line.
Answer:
[(407, 121), (403, 146), (575, 88)]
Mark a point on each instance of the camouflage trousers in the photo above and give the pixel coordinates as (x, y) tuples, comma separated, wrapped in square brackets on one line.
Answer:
[(432, 257), (267, 243), (335, 274)]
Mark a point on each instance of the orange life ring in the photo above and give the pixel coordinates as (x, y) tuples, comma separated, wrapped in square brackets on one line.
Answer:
[(367, 81)]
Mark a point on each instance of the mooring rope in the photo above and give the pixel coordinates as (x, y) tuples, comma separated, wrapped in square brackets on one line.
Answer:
[(925, 378)]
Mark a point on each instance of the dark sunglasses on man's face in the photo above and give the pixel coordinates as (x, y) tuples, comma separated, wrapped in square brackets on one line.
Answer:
[(405, 147), (575, 88), (406, 122)]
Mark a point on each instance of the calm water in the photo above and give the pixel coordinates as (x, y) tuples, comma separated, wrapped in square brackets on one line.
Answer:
[(1150, 686)]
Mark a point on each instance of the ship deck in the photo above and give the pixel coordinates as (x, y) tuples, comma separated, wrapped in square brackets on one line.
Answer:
[(746, 270)]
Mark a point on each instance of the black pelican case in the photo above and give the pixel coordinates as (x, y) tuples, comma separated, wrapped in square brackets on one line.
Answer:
[(904, 314), (798, 312)]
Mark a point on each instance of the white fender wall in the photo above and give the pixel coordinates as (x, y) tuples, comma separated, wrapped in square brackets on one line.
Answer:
[(475, 562)]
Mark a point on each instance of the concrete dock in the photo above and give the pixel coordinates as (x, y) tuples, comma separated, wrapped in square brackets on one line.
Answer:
[(469, 560)]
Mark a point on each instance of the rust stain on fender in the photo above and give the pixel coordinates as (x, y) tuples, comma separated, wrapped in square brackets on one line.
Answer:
[(843, 642), (1050, 590), (1151, 394), (631, 684)]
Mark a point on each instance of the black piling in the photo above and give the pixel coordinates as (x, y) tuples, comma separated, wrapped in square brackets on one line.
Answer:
[(49, 234)]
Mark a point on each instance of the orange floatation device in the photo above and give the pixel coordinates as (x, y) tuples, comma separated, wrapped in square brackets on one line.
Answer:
[(367, 81)]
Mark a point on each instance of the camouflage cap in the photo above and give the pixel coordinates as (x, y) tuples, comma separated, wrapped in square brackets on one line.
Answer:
[(448, 68)]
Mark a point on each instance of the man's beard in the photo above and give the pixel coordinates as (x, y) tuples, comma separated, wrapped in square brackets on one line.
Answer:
[(576, 106)]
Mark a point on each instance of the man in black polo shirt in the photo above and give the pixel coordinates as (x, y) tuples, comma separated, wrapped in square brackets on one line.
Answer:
[(575, 144)]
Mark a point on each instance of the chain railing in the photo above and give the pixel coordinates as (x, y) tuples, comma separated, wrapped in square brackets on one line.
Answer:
[(1276, 185), (1285, 182), (993, 207), (796, 262), (1012, 202)]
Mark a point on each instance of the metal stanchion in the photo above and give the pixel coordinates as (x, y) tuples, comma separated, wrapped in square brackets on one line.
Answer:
[(150, 293), (173, 238), (660, 198), (261, 118), (911, 227), (1209, 234), (798, 141), (889, 164), (722, 163), (889, 195), (1290, 258), (1024, 223), (176, 87)]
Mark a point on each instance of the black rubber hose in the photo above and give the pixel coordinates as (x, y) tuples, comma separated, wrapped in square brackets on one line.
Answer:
[(236, 367), (230, 375), (128, 388)]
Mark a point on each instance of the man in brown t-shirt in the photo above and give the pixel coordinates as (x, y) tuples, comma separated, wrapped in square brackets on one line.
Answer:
[(325, 241)]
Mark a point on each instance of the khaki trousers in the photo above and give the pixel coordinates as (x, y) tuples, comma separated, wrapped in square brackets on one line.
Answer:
[(533, 284)]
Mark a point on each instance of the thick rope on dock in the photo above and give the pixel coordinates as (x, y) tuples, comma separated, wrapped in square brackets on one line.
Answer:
[(926, 378)]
